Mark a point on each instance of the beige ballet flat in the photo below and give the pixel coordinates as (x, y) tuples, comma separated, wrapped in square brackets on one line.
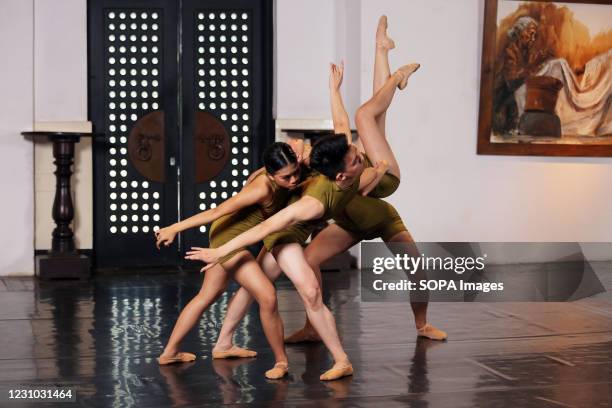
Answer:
[(234, 352), (279, 371), (179, 358), (336, 373), (382, 39), (431, 332), (405, 72)]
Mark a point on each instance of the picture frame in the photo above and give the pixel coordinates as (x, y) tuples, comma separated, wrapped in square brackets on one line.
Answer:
[(538, 128)]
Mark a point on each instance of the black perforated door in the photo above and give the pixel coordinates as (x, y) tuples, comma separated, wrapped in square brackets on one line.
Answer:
[(180, 92)]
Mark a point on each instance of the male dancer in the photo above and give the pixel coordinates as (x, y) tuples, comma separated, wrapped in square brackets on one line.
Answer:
[(363, 217), (366, 218)]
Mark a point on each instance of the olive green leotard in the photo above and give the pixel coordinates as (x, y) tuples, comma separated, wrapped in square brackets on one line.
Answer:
[(230, 226), (387, 184), (329, 194), (369, 218)]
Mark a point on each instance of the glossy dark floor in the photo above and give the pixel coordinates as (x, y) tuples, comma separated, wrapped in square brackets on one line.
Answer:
[(102, 338)]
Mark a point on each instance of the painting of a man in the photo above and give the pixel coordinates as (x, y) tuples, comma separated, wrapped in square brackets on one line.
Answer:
[(519, 60), (549, 68)]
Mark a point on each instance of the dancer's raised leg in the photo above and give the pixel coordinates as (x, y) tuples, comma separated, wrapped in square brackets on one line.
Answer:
[(382, 71), (213, 285), (374, 142)]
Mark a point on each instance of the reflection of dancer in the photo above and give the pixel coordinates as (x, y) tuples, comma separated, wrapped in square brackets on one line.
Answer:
[(363, 217), (177, 391), (228, 386), (261, 198), (418, 381), (322, 197)]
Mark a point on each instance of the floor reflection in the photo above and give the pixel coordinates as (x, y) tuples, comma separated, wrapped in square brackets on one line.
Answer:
[(102, 338)]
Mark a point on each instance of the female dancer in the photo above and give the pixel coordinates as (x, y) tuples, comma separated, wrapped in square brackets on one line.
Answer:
[(322, 196), (362, 218), (260, 198)]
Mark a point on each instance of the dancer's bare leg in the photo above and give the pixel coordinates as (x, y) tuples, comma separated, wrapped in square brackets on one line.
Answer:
[(213, 285), (374, 142), (419, 308), (291, 259), (249, 275), (331, 241), (382, 71), (241, 301)]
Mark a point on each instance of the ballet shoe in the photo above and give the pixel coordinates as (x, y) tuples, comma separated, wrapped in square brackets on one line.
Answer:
[(234, 352), (279, 371), (405, 73), (431, 332), (178, 358), (303, 336), (339, 370), (382, 39)]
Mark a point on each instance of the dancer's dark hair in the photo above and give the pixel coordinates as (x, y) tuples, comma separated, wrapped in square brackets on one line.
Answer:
[(278, 155), (327, 155)]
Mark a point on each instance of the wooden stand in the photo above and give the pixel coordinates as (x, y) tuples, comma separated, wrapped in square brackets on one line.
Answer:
[(62, 260)]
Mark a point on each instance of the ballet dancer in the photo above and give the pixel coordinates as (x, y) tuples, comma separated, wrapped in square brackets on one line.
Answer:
[(322, 197), (263, 196)]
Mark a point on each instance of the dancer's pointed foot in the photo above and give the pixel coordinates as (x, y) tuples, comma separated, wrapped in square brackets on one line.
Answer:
[(405, 72), (234, 352), (279, 371), (304, 335), (382, 38), (339, 370), (180, 357), (431, 332)]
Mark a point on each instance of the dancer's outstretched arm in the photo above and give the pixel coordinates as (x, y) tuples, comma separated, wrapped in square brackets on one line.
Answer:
[(305, 209), (250, 194)]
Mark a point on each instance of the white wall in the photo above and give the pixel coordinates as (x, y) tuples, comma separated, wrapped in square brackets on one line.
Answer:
[(43, 87), (309, 35), (16, 111), (448, 193), (348, 49)]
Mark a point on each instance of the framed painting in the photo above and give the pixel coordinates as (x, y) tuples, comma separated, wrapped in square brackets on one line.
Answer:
[(546, 78)]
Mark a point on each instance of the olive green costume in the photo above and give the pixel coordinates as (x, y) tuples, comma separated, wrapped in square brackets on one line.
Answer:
[(387, 184), (229, 226), (333, 198), (368, 218)]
